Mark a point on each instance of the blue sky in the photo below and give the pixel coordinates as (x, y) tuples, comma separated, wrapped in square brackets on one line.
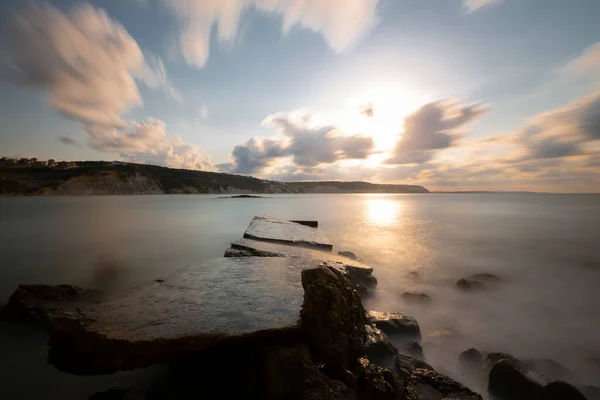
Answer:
[(473, 94)]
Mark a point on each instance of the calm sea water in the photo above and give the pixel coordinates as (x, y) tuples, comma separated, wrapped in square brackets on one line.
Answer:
[(546, 248)]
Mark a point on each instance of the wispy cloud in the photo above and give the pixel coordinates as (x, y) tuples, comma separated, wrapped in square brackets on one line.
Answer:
[(68, 139), (87, 65), (340, 22), (474, 5)]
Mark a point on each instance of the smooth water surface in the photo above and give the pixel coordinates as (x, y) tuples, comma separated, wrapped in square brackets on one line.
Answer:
[(546, 249)]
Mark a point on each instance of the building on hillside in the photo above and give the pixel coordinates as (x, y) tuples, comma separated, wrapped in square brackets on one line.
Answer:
[(23, 161), (51, 163), (41, 164)]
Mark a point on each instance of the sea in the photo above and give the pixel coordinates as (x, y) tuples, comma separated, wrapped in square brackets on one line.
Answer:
[(545, 248)]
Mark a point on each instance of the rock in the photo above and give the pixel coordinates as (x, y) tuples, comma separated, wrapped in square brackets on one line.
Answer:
[(286, 232), (395, 324), (468, 284), (357, 272), (312, 224), (289, 373), (492, 358), (471, 362), (333, 321), (549, 368), (414, 349), (414, 275), (420, 298), (243, 196), (348, 254), (376, 383), (43, 304), (425, 384), (406, 365), (558, 390), (485, 277), (508, 381), (220, 301), (379, 349), (233, 252)]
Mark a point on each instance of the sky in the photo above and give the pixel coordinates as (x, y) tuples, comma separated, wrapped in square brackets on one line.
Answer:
[(448, 94)]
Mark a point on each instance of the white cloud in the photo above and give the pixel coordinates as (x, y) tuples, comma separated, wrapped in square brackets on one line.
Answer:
[(204, 112), (474, 5), (87, 65), (341, 22)]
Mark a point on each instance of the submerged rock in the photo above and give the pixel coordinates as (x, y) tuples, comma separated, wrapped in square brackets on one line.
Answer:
[(468, 284), (425, 384), (348, 254), (508, 381), (420, 298), (287, 232), (549, 368), (485, 277), (396, 324)]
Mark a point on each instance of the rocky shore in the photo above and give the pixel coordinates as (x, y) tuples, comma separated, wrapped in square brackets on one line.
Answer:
[(276, 318)]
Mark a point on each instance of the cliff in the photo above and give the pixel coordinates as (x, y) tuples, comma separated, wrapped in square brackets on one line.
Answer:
[(106, 178)]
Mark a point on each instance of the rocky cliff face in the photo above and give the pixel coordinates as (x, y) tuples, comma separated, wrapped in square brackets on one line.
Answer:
[(108, 184)]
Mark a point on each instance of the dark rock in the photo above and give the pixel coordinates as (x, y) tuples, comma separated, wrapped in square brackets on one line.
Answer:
[(376, 383), (406, 365), (243, 196), (425, 384), (43, 304), (312, 224), (414, 275), (508, 382), (549, 368), (333, 320), (396, 324), (286, 232), (379, 348), (348, 254), (468, 284), (558, 390), (414, 349), (471, 362), (289, 373), (362, 291), (485, 277), (233, 252), (492, 358), (420, 298)]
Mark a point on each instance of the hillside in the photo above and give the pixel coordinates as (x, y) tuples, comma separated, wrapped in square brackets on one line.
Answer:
[(99, 178)]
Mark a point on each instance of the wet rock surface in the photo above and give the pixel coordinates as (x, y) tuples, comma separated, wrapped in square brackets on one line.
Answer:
[(359, 274), (413, 349), (425, 384), (416, 298), (287, 232), (193, 308), (396, 324)]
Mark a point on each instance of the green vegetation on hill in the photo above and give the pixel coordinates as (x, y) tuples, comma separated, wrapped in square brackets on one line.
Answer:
[(33, 180)]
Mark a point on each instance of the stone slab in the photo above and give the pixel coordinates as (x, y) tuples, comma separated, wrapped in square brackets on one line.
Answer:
[(287, 232), (358, 272), (217, 301)]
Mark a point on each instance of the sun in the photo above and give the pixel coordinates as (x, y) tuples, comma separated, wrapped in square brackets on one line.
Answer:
[(390, 104)]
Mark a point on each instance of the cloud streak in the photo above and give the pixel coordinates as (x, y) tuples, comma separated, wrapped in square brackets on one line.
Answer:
[(87, 66), (340, 22)]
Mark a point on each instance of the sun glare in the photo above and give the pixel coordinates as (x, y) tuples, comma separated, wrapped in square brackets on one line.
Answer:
[(389, 104)]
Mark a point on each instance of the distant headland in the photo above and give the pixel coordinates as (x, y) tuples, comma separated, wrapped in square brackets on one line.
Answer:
[(32, 177)]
